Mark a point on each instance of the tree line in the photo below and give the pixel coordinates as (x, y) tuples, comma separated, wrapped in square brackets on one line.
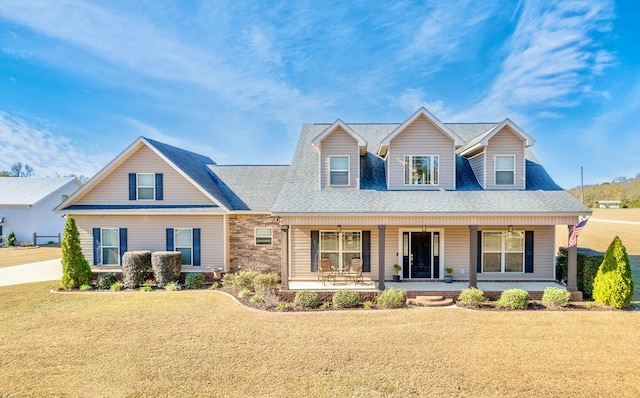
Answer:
[(624, 189)]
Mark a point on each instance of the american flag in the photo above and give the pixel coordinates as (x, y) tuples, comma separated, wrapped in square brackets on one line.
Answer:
[(575, 231)]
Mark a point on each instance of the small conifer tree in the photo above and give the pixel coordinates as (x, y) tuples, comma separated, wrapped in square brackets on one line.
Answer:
[(613, 285), (75, 268)]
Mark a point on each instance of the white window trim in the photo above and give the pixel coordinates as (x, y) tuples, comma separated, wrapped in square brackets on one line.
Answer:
[(138, 186), (255, 236), (102, 246), (503, 252), (175, 242), (496, 170), (341, 170), (409, 164), (340, 250)]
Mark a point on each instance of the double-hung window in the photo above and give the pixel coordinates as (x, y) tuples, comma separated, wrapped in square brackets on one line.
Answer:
[(263, 236), (421, 170), (146, 186), (340, 247), (110, 246), (505, 169), (339, 170), (184, 244), (502, 252)]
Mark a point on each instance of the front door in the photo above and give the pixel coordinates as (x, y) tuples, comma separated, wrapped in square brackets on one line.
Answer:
[(421, 255)]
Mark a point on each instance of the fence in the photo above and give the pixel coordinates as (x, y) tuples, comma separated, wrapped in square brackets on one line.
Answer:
[(35, 238)]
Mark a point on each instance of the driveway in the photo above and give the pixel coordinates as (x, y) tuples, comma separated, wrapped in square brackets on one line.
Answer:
[(49, 270)]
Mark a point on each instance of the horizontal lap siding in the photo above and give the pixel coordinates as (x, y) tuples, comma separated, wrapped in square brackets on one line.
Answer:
[(456, 251), (477, 164), (505, 143), (114, 188), (391, 252), (340, 143), (421, 138), (149, 233)]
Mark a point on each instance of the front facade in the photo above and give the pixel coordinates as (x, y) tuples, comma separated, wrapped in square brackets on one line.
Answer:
[(422, 194)]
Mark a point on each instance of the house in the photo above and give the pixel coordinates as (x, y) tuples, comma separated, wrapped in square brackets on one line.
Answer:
[(609, 204), (423, 194), (26, 207)]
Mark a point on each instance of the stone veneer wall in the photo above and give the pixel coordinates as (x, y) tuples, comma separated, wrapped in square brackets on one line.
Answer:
[(242, 247)]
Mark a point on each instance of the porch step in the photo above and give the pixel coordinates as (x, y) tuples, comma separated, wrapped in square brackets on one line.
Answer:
[(430, 301)]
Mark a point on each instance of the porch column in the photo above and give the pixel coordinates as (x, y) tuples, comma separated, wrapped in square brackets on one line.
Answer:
[(473, 256), (572, 266), (381, 244), (284, 261)]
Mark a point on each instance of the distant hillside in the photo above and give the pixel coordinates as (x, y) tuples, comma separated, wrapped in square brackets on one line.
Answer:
[(622, 188)]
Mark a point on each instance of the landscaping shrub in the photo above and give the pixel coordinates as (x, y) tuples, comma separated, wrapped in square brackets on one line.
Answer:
[(471, 297), (587, 267), (324, 305), (392, 298), (75, 268), (306, 299), (146, 288), (214, 286), (166, 267), (555, 297), (11, 239), (244, 293), (613, 285), (105, 280), (345, 299), (256, 298), (194, 280), (266, 281), (135, 268), (85, 288), (117, 286), (367, 304), (172, 286), (240, 280), (515, 299), (283, 307)]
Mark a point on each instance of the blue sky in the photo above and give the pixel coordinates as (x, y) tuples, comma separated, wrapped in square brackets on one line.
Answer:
[(235, 80)]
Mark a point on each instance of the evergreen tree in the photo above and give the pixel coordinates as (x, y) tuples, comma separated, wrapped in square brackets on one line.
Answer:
[(75, 268), (613, 285)]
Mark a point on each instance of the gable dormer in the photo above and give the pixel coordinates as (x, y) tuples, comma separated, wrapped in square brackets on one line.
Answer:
[(498, 156), (420, 154), (339, 149)]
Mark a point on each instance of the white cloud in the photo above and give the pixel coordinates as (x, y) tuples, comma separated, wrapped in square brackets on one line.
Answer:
[(413, 98)]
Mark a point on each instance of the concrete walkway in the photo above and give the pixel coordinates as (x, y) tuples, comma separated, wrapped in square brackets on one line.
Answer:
[(49, 270)]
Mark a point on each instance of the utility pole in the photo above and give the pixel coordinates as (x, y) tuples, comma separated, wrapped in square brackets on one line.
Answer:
[(581, 184)]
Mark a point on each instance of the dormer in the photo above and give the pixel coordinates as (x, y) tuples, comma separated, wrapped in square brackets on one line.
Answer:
[(339, 148), (498, 156), (420, 154)]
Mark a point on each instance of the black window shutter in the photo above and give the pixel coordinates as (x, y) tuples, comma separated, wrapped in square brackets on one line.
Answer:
[(528, 252), (196, 246), (315, 250), (96, 246), (366, 251), (123, 243), (132, 186), (170, 239), (159, 189), (479, 267)]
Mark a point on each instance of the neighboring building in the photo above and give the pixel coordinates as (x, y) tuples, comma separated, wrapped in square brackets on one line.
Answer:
[(423, 194), (26, 206), (609, 204)]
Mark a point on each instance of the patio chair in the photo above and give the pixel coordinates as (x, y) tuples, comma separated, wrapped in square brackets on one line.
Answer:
[(355, 271), (326, 271)]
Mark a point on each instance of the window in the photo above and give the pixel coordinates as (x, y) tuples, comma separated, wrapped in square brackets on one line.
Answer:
[(146, 187), (264, 236), (338, 170), (110, 246), (421, 170), (502, 251), (184, 244), (340, 247), (505, 169)]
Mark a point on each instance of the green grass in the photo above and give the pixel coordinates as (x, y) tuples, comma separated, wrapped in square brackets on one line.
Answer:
[(202, 343)]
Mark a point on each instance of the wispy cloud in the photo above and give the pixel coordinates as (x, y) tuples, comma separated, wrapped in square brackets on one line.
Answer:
[(414, 98)]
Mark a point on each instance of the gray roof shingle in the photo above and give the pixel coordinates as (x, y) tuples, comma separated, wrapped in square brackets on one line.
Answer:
[(251, 187)]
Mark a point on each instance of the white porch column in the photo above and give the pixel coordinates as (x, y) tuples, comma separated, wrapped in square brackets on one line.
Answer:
[(572, 266), (381, 244), (284, 260), (473, 256)]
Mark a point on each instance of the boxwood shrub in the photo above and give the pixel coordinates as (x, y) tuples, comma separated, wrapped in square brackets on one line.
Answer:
[(306, 299), (555, 297), (345, 299), (194, 280), (105, 280), (136, 266), (515, 299), (471, 297), (392, 298), (166, 267)]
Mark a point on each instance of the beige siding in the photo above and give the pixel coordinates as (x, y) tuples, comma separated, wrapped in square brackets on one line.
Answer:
[(114, 188), (456, 251), (430, 220), (421, 138), (477, 164), (505, 143), (340, 142), (149, 233), (391, 252)]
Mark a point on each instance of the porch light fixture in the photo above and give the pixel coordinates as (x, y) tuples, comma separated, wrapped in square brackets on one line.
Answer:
[(510, 230), (339, 228)]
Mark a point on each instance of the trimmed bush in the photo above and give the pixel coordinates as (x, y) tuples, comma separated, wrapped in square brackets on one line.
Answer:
[(11, 239), (166, 267), (471, 297), (105, 280), (345, 299), (587, 269), (75, 268), (613, 285), (194, 280), (240, 280), (515, 299), (116, 287), (392, 298), (306, 299), (555, 297), (265, 284), (135, 268)]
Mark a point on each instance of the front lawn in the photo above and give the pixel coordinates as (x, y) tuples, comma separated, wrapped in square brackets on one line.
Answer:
[(202, 343)]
